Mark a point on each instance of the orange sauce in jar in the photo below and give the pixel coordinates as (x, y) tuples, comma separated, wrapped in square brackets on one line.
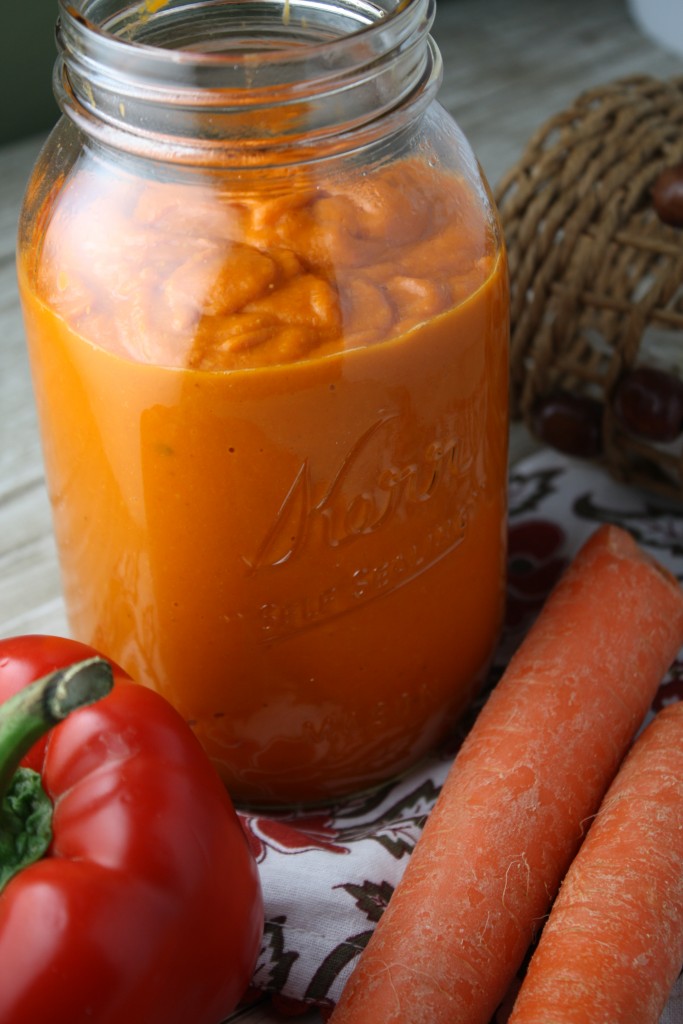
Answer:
[(275, 438)]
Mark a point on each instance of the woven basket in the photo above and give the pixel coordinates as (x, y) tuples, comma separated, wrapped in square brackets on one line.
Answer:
[(597, 277)]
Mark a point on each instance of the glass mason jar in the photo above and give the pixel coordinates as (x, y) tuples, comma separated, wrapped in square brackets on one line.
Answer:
[(265, 300)]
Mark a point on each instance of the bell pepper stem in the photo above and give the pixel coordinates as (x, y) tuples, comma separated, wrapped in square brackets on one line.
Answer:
[(33, 711)]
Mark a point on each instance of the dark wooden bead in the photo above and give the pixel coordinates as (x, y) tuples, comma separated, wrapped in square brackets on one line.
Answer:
[(649, 403), (571, 423), (667, 196)]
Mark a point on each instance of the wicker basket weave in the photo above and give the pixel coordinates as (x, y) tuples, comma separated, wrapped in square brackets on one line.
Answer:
[(596, 275)]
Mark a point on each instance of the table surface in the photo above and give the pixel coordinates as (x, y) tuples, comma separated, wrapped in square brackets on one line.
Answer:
[(507, 68)]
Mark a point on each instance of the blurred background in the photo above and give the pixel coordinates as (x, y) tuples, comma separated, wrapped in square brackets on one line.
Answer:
[(27, 53), (27, 49)]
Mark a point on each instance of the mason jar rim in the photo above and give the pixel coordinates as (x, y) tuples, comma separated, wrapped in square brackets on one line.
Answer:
[(333, 87), (75, 16)]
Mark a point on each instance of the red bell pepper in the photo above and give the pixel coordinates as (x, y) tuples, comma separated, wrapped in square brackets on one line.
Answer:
[(143, 905)]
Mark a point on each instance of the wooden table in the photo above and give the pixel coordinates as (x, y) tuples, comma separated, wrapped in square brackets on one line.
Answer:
[(507, 68)]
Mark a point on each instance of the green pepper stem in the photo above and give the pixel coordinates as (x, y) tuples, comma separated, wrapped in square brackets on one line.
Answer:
[(33, 711)]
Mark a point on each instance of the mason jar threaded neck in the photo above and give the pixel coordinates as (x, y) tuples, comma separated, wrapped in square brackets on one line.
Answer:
[(229, 82)]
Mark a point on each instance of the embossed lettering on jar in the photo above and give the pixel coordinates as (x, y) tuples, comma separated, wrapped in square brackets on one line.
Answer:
[(265, 300)]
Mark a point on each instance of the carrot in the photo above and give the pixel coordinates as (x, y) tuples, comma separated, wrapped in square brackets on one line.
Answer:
[(613, 944), (534, 767)]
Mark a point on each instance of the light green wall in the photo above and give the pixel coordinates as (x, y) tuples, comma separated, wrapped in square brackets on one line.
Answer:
[(27, 55)]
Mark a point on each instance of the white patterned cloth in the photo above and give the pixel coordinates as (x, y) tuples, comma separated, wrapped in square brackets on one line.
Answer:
[(328, 875)]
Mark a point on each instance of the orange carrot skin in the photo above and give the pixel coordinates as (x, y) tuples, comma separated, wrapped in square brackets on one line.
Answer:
[(510, 817), (613, 944)]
